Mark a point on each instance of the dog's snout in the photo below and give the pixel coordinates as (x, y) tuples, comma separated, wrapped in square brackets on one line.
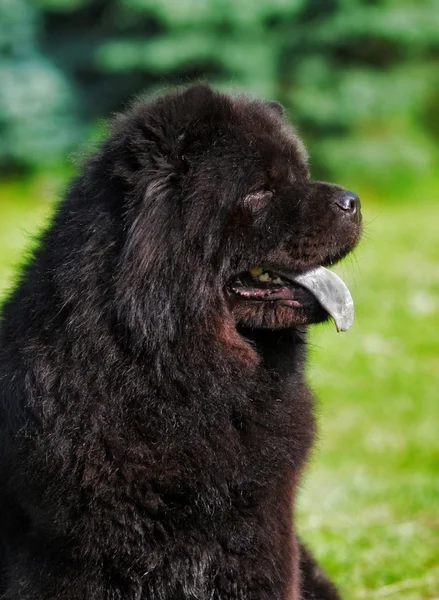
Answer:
[(349, 203)]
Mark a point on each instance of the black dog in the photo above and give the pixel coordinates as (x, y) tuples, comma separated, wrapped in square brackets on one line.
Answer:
[(155, 419)]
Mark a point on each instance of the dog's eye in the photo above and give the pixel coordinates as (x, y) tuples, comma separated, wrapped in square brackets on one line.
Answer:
[(258, 198)]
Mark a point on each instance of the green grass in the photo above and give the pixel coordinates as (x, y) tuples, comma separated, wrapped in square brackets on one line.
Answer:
[(369, 505), (24, 207)]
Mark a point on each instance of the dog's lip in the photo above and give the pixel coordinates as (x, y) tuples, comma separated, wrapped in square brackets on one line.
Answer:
[(261, 284), (271, 294), (326, 286)]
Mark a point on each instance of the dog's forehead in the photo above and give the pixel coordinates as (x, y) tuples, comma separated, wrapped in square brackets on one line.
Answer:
[(270, 135), (251, 134)]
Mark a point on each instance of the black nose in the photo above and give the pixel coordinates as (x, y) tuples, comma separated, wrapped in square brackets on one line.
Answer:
[(349, 203)]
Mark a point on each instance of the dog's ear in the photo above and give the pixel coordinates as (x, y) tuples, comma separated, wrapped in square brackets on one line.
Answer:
[(197, 95), (194, 106), (275, 107)]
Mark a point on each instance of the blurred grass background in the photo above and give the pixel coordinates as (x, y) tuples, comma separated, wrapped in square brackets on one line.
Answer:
[(360, 79)]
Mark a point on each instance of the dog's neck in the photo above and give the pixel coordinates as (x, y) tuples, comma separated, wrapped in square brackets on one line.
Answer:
[(281, 350)]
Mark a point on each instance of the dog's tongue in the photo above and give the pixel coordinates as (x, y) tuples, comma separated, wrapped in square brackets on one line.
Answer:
[(332, 293)]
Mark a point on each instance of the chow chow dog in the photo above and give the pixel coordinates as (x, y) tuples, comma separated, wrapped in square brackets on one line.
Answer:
[(155, 419)]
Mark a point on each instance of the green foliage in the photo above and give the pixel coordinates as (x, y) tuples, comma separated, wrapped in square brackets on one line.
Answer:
[(359, 78), (37, 123), (365, 88)]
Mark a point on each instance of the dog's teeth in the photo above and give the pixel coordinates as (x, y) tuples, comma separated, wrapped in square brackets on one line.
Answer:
[(278, 280), (264, 277), (256, 271)]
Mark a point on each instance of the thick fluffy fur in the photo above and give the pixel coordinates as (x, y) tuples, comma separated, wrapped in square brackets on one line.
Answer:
[(154, 427)]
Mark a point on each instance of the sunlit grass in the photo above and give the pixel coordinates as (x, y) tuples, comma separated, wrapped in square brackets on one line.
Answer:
[(24, 208), (369, 506)]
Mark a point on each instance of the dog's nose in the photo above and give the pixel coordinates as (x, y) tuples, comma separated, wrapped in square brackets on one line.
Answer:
[(350, 204)]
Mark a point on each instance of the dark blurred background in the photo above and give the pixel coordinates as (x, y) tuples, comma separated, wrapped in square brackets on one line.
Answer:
[(360, 80)]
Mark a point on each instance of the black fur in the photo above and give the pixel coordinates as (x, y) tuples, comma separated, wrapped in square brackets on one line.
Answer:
[(154, 427)]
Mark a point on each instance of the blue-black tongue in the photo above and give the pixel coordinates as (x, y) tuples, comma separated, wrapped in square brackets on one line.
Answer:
[(331, 292)]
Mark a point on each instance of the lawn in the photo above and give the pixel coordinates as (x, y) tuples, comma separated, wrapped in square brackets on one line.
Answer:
[(369, 504)]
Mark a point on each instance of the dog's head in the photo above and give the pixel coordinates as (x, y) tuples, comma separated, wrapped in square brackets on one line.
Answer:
[(219, 204)]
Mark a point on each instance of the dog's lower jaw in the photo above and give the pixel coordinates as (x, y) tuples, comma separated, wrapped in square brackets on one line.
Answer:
[(276, 315)]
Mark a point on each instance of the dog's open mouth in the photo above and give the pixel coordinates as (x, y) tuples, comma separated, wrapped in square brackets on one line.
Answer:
[(327, 288)]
